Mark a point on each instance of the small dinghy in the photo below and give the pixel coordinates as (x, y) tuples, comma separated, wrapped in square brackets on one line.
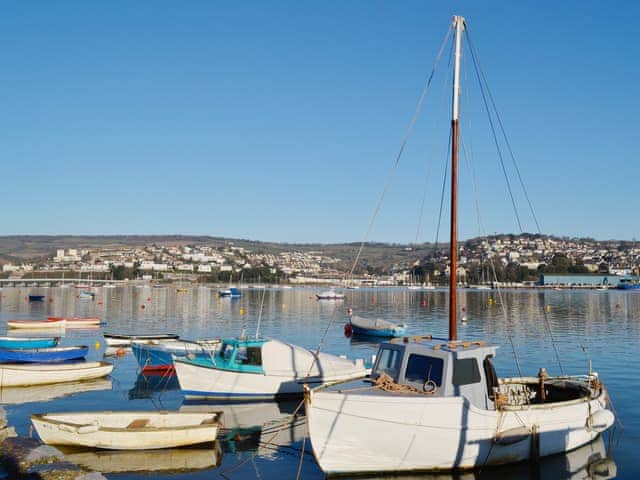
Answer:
[(25, 374), (142, 430), (37, 324), (78, 321), (43, 355), (375, 327), (330, 295), (121, 340), (15, 343)]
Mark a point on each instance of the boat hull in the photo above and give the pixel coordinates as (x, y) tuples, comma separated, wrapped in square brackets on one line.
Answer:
[(160, 357), (116, 340), (208, 382), (17, 375), (43, 355), (365, 433), (36, 342), (379, 332), (142, 430), (36, 324)]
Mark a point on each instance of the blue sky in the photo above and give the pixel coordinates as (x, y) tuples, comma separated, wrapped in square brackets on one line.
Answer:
[(280, 121)]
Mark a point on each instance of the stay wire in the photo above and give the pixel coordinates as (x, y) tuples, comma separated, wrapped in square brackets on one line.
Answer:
[(506, 138), (495, 137), (414, 118)]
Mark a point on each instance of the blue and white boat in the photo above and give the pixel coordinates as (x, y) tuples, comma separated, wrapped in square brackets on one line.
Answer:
[(158, 354), (43, 355), (36, 298), (16, 343), (627, 284), (374, 327), (261, 369), (232, 292)]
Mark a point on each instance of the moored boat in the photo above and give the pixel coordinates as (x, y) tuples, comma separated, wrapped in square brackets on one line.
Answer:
[(260, 369), (28, 342), (36, 298), (140, 430), (374, 327), (439, 405), (43, 355), (78, 321), (158, 354), (124, 340), (37, 324), (232, 292), (330, 295), (25, 374)]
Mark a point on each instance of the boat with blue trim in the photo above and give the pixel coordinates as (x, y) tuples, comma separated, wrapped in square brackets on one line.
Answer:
[(43, 355), (232, 292), (374, 327), (15, 343), (627, 284), (260, 369)]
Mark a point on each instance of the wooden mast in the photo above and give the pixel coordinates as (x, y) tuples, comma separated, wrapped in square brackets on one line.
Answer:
[(458, 24)]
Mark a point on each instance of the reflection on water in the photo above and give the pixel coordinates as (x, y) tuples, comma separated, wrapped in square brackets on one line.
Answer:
[(602, 326)]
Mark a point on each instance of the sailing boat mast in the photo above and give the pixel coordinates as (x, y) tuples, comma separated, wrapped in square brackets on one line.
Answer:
[(458, 24)]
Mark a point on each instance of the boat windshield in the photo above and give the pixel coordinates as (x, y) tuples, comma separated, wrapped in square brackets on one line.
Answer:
[(389, 361)]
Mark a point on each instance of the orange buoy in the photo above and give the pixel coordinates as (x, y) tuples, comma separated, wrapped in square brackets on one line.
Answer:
[(142, 307), (120, 352)]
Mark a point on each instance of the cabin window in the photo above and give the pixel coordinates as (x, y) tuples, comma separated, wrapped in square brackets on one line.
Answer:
[(465, 371), (421, 368), (389, 362), (226, 351), (249, 356)]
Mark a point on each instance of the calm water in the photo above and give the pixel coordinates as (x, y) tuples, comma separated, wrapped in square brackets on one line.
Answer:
[(263, 440)]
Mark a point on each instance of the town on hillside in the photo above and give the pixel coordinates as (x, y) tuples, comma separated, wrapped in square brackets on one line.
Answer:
[(511, 258)]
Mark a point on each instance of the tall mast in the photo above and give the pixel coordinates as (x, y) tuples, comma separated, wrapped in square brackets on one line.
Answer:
[(458, 24)]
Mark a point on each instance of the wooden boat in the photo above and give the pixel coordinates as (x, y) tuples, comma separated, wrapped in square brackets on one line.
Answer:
[(260, 369), (158, 354), (37, 324), (142, 430), (28, 342), (438, 404), (374, 327), (78, 321), (25, 374), (330, 295), (124, 340), (43, 355)]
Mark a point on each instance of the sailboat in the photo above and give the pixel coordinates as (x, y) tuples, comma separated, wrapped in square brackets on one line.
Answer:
[(438, 404)]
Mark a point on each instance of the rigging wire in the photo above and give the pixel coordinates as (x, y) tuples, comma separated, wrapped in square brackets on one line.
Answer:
[(414, 118), (504, 135)]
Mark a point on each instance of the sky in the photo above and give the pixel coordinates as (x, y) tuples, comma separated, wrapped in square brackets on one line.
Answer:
[(281, 121)]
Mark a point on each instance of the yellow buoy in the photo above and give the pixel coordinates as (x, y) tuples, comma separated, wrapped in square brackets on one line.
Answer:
[(548, 308), (242, 311), (97, 345)]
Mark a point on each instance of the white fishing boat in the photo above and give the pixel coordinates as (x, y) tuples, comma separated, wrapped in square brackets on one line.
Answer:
[(37, 324), (260, 369), (18, 374), (438, 404), (125, 340), (140, 430)]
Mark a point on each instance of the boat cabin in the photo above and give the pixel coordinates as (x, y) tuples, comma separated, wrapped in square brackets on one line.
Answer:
[(240, 356), (440, 368)]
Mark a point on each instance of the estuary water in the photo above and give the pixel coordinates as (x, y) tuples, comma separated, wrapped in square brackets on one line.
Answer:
[(561, 330)]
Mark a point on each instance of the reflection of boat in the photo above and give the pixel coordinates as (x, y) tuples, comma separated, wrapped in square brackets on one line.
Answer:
[(158, 354), (252, 426), (438, 404), (260, 369), (141, 430), (37, 324), (122, 340), (164, 460), (375, 327), (330, 295), (42, 393), (19, 374), (148, 384), (43, 355), (28, 342)]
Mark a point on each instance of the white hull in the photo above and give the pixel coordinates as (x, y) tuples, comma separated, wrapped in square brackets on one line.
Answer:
[(17, 374), (360, 432), (34, 324), (127, 430), (198, 381)]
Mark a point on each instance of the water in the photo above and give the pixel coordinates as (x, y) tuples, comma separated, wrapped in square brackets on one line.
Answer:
[(259, 442)]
